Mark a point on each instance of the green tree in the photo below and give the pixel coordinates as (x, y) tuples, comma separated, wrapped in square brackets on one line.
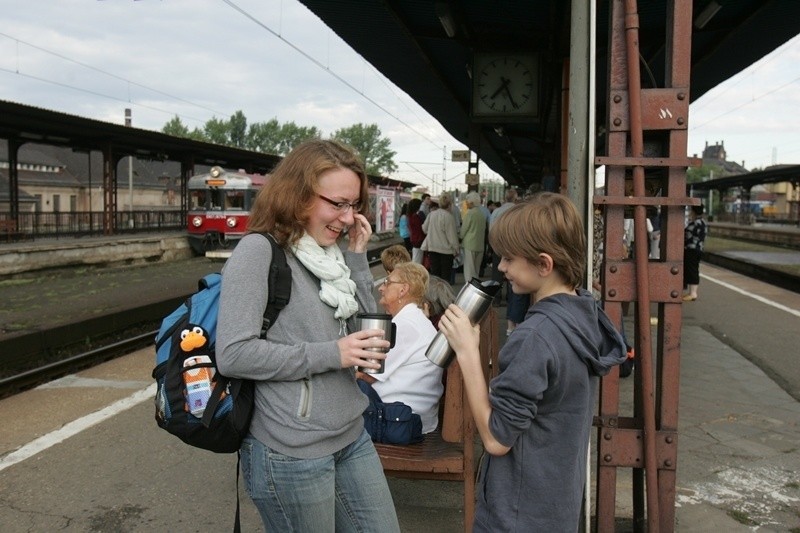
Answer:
[(703, 173), (217, 131), (237, 130), (197, 135), (373, 148), (175, 127), (264, 137), (291, 135), (271, 137)]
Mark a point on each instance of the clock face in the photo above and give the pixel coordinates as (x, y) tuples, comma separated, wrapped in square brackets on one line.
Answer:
[(505, 86)]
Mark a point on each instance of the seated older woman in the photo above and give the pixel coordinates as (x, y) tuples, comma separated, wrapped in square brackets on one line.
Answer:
[(409, 376)]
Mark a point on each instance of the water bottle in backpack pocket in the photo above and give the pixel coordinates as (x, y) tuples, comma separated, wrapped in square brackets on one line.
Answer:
[(198, 377)]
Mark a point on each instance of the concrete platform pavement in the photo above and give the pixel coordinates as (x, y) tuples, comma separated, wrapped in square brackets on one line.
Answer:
[(738, 457), (738, 449)]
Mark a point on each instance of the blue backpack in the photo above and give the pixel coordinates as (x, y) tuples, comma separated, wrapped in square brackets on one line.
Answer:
[(193, 400)]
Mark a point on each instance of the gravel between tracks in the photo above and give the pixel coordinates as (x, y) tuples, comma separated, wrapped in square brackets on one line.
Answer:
[(34, 303)]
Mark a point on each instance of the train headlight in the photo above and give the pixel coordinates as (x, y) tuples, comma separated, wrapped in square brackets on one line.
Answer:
[(197, 221), (215, 172), (231, 222)]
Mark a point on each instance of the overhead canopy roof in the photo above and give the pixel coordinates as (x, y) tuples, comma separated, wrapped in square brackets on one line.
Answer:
[(407, 41), (23, 123), (777, 174)]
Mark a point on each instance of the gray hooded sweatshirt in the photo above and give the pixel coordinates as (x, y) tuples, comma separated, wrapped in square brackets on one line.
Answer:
[(542, 407)]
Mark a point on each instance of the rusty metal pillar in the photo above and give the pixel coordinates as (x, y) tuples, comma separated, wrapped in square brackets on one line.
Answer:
[(187, 171), (645, 167), (13, 180), (109, 191)]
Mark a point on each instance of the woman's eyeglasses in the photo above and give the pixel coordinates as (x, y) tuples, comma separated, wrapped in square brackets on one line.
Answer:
[(387, 281), (342, 206)]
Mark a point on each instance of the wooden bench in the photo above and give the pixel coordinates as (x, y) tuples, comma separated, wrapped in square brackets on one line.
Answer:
[(449, 452)]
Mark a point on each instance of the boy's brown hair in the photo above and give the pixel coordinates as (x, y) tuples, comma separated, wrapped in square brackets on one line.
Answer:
[(394, 255), (545, 223)]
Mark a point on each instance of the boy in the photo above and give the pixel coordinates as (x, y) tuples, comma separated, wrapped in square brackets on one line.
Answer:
[(536, 418)]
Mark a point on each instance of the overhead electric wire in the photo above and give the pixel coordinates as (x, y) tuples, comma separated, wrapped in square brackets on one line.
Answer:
[(326, 69), (86, 65), (95, 93), (243, 12)]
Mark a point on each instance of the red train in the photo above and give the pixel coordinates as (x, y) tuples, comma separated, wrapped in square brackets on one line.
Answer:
[(220, 202), (219, 206)]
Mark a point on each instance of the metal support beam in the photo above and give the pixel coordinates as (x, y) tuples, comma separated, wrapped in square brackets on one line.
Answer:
[(647, 441), (13, 180), (109, 191)]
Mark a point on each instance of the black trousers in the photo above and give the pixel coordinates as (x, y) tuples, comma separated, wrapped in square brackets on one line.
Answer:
[(441, 265), (691, 266)]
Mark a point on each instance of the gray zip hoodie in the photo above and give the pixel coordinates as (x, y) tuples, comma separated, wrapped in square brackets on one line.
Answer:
[(306, 405), (542, 407)]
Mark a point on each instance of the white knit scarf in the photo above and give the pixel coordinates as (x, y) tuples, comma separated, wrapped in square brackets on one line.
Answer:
[(336, 289)]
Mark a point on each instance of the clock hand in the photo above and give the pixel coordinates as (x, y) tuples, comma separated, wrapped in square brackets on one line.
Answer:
[(503, 87), (511, 98)]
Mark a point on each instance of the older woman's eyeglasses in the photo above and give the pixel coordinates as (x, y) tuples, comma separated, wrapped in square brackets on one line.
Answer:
[(342, 206), (387, 281)]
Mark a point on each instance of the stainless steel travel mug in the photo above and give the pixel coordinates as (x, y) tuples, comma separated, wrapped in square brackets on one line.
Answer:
[(378, 321), (475, 298)]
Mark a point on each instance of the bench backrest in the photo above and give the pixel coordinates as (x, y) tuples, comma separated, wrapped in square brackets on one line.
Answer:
[(457, 423)]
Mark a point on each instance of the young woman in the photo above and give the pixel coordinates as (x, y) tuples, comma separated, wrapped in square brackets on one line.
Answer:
[(308, 463)]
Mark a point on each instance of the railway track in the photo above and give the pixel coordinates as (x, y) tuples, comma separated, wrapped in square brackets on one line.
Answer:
[(35, 358), (27, 379), (29, 360)]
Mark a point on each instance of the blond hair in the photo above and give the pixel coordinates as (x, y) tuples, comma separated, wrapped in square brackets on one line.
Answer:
[(545, 223), (416, 277), (394, 254)]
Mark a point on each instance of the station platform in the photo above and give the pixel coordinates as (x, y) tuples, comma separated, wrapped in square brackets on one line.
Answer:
[(84, 453)]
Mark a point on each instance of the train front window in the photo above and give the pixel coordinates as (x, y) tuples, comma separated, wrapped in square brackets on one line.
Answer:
[(210, 199), (198, 199), (234, 199)]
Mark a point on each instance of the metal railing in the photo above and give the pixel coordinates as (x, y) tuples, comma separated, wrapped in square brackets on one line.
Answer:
[(90, 223)]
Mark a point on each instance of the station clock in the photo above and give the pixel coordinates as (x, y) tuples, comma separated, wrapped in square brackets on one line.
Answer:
[(505, 86)]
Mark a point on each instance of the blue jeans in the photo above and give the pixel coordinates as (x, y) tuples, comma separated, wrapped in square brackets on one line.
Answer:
[(342, 492)]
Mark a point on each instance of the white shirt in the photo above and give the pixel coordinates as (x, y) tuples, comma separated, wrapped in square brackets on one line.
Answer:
[(409, 376), (627, 226)]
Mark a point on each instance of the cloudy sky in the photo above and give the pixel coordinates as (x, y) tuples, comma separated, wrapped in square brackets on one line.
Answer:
[(274, 59)]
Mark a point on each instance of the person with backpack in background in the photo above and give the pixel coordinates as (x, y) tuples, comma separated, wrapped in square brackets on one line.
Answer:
[(535, 418), (307, 461)]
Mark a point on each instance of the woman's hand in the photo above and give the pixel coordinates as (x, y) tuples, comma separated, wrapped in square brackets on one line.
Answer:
[(353, 349), (462, 336), (359, 234)]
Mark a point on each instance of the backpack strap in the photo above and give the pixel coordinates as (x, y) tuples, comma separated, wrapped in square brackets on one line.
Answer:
[(220, 387), (280, 285)]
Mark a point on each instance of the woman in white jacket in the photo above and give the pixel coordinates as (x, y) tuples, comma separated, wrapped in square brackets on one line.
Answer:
[(441, 242)]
